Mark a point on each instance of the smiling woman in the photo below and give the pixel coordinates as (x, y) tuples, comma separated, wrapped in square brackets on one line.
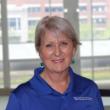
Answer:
[(55, 86), (56, 52)]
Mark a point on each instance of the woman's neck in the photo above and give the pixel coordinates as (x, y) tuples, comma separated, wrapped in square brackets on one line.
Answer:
[(58, 81)]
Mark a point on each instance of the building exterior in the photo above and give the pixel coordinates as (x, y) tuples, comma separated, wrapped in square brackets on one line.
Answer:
[(95, 13), (24, 15)]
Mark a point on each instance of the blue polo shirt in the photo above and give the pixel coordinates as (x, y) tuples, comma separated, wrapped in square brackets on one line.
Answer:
[(36, 94)]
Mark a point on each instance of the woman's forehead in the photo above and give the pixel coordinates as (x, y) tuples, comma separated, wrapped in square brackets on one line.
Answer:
[(55, 33), (52, 36)]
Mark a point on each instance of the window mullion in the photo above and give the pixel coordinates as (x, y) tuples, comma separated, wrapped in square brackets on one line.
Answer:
[(4, 26)]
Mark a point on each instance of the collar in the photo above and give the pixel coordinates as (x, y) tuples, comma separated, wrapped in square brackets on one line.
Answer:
[(42, 88)]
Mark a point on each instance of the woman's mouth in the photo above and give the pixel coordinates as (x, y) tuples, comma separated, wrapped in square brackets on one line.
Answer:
[(58, 60)]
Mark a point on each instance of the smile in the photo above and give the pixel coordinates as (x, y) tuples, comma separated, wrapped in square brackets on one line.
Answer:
[(58, 60)]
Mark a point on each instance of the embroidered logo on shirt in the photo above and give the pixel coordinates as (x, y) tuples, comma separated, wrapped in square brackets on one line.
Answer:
[(83, 98)]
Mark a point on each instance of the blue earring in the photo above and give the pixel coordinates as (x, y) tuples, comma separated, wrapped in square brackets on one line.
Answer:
[(73, 61)]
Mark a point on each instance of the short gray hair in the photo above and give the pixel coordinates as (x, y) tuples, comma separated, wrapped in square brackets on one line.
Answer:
[(55, 24)]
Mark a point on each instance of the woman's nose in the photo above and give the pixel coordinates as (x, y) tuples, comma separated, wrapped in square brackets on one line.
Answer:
[(57, 51)]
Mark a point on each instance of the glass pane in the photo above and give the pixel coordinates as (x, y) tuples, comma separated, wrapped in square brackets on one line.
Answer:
[(101, 36), (54, 7), (1, 55), (85, 39), (95, 38), (23, 17)]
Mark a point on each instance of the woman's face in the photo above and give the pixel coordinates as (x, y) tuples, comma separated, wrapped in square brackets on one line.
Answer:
[(56, 52)]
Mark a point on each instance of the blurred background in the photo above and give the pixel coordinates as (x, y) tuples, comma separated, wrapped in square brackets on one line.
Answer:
[(18, 58)]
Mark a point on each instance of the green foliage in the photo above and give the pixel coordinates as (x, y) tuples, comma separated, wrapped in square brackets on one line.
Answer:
[(31, 34), (98, 74), (86, 34)]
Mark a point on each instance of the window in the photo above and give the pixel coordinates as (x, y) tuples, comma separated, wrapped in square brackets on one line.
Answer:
[(54, 9), (99, 20), (34, 9), (32, 23), (21, 57), (82, 8), (19, 39), (99, 7), (83, 19), (31, 28), (14, 23), (22, 19), (95, 39)]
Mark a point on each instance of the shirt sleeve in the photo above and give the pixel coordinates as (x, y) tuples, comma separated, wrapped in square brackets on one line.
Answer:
[(12, 103), (100, 103), (98, 98)]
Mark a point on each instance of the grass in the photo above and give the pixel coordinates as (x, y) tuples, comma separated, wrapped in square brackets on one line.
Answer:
[(98, 75), (18, 77)]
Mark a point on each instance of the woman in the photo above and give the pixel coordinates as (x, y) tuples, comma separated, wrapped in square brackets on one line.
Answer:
[(55, 86)]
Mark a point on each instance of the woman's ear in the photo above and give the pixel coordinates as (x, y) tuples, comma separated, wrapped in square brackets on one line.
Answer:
[(40, 53), (74, 51)]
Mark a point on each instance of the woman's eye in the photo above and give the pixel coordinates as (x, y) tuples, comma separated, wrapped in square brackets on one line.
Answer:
[(48, 45), (64, 43)]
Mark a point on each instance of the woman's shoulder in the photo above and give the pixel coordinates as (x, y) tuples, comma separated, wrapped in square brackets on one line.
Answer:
[(85, 80), (83, 83), (22, 89)]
